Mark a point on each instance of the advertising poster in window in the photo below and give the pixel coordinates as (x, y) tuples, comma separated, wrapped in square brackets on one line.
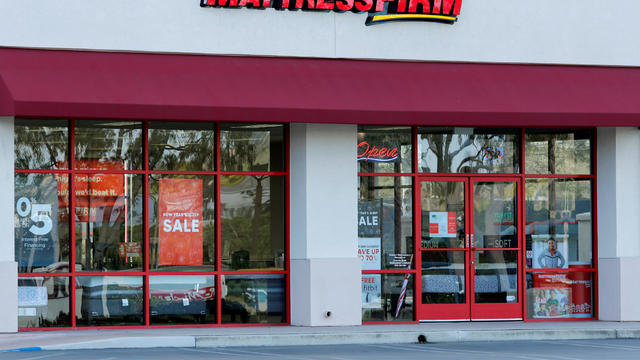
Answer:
[(371, 291), (369, 234), (550, 252), (442, 224), (99, 197), (369, 253), (180, 222), (36, 222), (552, 296), (369, 222)]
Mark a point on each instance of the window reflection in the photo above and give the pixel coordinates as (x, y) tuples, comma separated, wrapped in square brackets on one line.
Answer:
[(495, 215), (252, 217), (252, 147), (100, 144), (253, 299), (468, 150), (43, 302), (558, 217), (182, 299), (108, 210), (41, 221), (109, 300), (387, 297), (443, 277), (443, 217), (41, 144), (181, 146), (496, 276), (385, 232), (562, 152)]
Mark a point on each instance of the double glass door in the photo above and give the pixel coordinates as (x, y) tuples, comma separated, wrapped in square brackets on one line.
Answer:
[(470, 248)]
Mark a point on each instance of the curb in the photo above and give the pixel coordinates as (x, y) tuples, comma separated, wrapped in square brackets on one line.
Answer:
[(393, 337)]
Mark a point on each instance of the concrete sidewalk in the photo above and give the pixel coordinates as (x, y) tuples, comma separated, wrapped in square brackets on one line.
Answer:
[(293, 335)]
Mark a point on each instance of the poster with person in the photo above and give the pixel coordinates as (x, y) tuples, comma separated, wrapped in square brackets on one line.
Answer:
[(552, 303), (550, 252)]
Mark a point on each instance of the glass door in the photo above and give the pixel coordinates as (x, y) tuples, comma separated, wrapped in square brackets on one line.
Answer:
[(469, 248), (495, 249), (444, 249)]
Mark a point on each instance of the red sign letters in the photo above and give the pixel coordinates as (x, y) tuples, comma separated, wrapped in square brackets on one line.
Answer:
[(379, 11)]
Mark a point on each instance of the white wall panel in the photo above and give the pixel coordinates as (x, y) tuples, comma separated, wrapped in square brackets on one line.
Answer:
[(8, 267)]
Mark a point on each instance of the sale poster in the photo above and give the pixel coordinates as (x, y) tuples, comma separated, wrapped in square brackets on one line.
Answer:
[(442, 224), (371, 291), (180, 222), (369, 220), (369, 253)]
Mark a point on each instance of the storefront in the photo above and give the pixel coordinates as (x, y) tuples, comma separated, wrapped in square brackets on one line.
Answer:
[(158, 179), (504, 217)]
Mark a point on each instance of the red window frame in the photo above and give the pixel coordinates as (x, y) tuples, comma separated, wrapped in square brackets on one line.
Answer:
[(72, 274), (416, 176)]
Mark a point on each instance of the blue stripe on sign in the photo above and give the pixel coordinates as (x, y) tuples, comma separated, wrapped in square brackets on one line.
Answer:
[(36, 348)]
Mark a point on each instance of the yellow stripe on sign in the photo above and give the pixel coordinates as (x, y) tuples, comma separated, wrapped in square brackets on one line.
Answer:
[(412, 16)]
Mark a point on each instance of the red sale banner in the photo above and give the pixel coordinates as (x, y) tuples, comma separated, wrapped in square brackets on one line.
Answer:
[(180, 222)]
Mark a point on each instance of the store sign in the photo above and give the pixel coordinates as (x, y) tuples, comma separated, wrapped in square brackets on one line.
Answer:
[(385, 153), (444, 11)]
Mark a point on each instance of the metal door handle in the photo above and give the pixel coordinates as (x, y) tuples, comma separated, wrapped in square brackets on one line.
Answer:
[(473, 243)]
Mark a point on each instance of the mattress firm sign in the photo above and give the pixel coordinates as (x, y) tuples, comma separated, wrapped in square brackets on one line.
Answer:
[(445, 11)]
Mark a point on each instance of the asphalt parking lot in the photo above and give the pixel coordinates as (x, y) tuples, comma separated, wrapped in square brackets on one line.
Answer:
[(531, 350)]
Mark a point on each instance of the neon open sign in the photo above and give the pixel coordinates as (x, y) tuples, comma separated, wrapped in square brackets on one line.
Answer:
[(368, 152), (380, 11)]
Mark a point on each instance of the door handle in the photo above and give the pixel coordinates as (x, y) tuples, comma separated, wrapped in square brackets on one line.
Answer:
[(467, 241), (473, 242)]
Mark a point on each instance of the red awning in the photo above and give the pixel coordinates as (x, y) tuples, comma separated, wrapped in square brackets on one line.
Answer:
[(74, 84)]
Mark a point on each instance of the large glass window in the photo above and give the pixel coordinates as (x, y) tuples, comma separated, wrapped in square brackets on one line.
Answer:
[(253, 299), (559, 224), (387, 297), (41, 144), (108, 145), (143, 223), (468, 150), (252, 147), (385, 226), (109, 300), (44, 302), (182, 231), (109, 226), (182, 299), (181, 146), (558, 152), (252, 219)]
